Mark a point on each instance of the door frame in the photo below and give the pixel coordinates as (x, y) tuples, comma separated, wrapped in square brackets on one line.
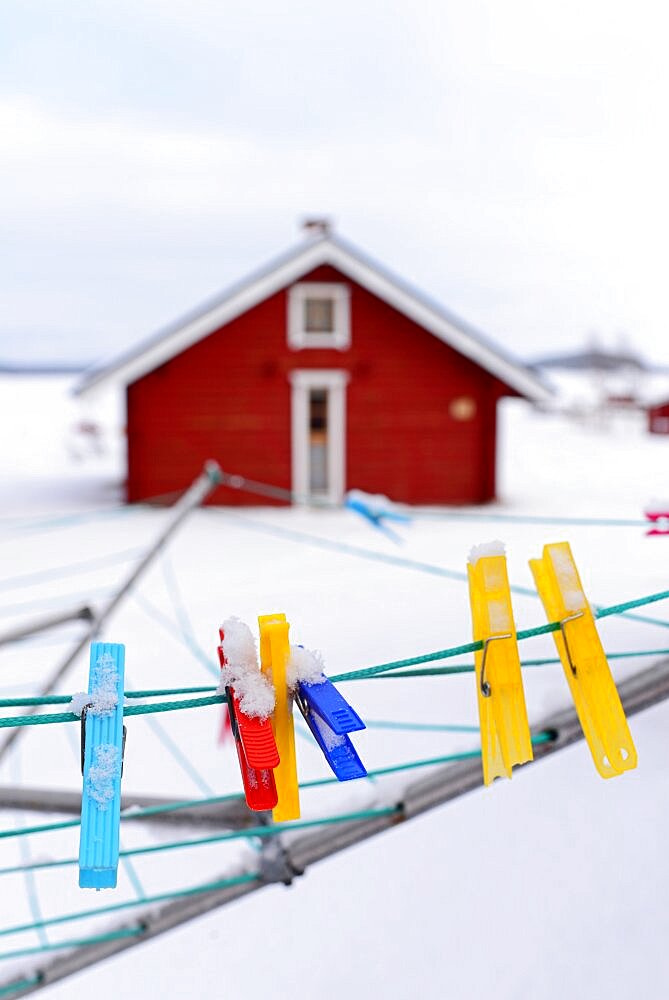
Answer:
[(334, 381)]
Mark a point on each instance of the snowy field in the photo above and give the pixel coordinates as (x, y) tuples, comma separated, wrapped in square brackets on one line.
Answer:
[(552, 885)]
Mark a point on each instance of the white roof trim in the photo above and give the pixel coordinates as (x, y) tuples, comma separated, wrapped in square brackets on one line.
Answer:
[(325, 251)]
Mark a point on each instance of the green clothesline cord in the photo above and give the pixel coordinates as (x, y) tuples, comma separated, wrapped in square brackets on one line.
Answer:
[(11, 721), (236, 796), (125, 932), (128, 904), (8, 722), (132, 813), (65, 699), (419, 727), (473, 647), (599, 522), (267, 830), (21, 984), (459, 668), (468, 668), (441, 654)]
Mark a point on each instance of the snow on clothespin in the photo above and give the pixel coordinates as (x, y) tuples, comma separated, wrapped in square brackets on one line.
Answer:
[(274, 654), (102, 746), (376, 509), (505, 731), (327, 713), (593, 689), (250, 704)]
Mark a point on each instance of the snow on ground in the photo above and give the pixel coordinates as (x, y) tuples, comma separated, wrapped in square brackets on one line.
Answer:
[(550, 885)]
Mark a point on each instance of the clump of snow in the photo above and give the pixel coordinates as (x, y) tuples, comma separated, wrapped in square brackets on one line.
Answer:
[(304, 665), (105, 686), (103, 698), (239, 645), (567, 578), (130, 810), (79, 702), (102, 773), (376, 503), (241, 670), (477, 552), (330, 738)]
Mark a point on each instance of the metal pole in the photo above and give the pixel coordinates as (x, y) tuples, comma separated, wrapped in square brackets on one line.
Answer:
[(649, 687), (43, 624), (192, 498)]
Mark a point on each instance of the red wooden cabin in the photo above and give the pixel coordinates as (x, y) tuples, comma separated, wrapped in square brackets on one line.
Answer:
[(319, 374)]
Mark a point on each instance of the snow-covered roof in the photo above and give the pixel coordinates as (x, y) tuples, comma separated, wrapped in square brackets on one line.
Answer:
[(282, 272), (593, 359)]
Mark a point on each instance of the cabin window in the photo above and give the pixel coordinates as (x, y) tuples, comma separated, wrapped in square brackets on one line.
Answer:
[(318, 316)]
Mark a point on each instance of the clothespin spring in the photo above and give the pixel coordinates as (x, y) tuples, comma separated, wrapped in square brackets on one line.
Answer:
[(84, 713), (563, 630), (302, 704), (485, 686), (234, 727)]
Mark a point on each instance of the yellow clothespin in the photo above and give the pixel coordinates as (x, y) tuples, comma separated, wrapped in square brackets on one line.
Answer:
[(505, 731), (593, 689), (274, 653)]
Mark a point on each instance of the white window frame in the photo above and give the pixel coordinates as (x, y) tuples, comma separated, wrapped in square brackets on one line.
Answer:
[(334, 381), (340, 337)]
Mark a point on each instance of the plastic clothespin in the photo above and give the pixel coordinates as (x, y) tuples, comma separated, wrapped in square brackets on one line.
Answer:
[(593, 689), (274, 654), (376, 510), (505, 731), (330, 717), (256, 750), (102, 746), (659, 518)]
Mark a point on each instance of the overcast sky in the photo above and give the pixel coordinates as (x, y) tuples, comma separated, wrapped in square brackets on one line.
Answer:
[(507, 156)]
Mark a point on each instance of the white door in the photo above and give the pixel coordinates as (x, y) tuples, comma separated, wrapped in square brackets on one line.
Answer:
[(319, 434)]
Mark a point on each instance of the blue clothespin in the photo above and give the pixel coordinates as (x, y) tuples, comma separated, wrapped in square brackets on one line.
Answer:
[(102, 745), (373, 509), (330, 717)]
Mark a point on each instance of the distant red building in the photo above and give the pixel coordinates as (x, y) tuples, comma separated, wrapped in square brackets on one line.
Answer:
[(658, 418), (319, 374)]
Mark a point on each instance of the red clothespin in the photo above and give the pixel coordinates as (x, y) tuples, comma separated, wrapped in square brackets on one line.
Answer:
[(256, 750), (659, 517)]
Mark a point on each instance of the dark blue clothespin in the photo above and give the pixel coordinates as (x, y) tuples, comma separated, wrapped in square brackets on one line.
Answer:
[(374, 512), (330, 717)]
